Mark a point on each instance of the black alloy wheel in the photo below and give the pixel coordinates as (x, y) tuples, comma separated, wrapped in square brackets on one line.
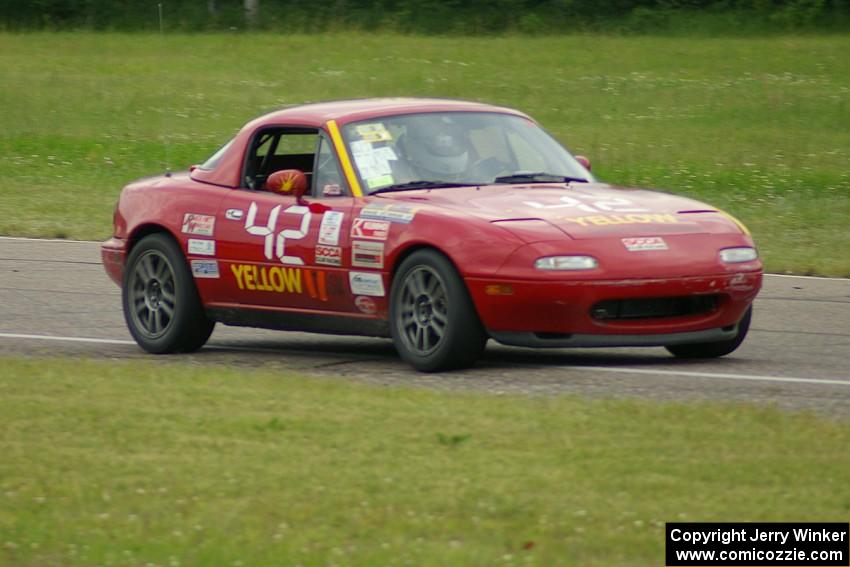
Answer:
[(161, 304), (433, 322)]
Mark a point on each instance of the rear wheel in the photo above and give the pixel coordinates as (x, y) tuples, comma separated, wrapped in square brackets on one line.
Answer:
[(161, 304), (715, 349), (433, 322)]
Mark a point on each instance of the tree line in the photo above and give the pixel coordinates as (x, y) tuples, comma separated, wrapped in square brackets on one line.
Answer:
[(416, 16)]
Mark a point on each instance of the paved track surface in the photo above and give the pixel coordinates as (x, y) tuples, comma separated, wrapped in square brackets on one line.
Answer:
[(796, 357)]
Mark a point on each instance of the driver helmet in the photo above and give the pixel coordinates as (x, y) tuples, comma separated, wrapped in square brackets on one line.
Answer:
[(437, 146)]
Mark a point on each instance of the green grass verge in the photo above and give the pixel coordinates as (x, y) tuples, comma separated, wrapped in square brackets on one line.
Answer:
[(167, 464), (758, 126)]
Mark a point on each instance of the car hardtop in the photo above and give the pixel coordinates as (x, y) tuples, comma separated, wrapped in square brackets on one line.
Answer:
[(345, 111), (317, 115)]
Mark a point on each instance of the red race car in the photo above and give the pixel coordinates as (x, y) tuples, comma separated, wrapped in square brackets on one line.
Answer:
[(438, 223)]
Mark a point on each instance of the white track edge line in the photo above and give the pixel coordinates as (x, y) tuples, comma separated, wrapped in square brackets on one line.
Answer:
[(714, 375), (68, 339), (68, 240), (610, 369)]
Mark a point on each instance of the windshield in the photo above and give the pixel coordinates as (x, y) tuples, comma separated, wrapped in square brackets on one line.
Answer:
[(456, 148)]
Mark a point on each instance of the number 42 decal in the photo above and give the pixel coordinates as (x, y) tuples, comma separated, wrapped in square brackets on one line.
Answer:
[(612, 205), (267, 231)]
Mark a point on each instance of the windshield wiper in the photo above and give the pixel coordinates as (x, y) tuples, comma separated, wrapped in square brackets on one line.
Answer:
[(421, 184), (537, 177)]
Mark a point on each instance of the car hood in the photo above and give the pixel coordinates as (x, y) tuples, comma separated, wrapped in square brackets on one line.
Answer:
[(579, 210)]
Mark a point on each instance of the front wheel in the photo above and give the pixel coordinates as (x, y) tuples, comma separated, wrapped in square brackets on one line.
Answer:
[(433, 322), (715, 349), (161, 304)]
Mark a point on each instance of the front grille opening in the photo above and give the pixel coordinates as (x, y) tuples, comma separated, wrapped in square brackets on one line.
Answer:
[(654, 307)]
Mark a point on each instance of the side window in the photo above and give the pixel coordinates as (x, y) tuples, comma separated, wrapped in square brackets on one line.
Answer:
[(273, 149), (327, 177)]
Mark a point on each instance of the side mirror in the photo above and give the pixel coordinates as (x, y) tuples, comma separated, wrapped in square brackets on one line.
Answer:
[(288, 182), (583, 161)]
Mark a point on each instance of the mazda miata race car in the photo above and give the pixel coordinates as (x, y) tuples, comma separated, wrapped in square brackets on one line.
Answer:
[(438, 223)]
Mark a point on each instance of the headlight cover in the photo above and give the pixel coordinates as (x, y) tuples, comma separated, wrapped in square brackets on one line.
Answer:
[(738, 255), (566, 263)]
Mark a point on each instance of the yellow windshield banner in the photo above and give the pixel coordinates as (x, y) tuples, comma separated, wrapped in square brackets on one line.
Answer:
[(345, 161)]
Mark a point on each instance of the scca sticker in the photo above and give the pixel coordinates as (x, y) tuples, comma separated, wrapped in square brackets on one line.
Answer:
[(371, 229), (329, 255), (202, 225)]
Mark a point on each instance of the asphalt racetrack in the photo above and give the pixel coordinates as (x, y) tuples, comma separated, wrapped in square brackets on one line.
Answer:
[(57, 300)]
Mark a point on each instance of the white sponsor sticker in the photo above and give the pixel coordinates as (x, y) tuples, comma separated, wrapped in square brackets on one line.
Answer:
[(328, 255), (371, 229), (201, 247), (365, 254), (366, 283), (640, 244), (205, 268), (360, 147), (393, 213), (329, 229), (202, 225)]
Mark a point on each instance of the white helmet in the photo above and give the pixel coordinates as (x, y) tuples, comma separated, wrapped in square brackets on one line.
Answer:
[(438, 149)]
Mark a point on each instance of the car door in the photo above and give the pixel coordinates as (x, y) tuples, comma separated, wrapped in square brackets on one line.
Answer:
[(277, 251)]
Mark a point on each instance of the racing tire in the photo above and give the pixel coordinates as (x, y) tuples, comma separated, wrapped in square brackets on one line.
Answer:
[(715, 349), (433, 322), (161, 304)]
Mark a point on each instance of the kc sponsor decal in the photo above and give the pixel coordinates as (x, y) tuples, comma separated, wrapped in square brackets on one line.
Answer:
[(205, 269), (201, 247), (366, 283), (329, 255), (365, 254), (605, 220), (329, 229), (202, 225), (278, 279), (390, 212), (371, 229), (644, 243), (365, 304)]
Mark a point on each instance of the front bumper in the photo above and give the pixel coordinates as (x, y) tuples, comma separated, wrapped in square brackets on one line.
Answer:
[(559, 313), (113, 253)]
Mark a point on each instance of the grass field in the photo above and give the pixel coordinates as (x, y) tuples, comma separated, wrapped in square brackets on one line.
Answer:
[(177, 464), (760, 127)]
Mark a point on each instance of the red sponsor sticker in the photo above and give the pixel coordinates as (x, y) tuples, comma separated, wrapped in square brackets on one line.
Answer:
[(366, 304), (365, 254), (371, 229)]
